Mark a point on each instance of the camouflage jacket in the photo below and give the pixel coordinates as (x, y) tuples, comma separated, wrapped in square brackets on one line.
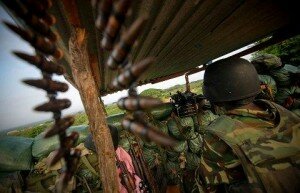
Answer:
[(261, 148), (43, 178)]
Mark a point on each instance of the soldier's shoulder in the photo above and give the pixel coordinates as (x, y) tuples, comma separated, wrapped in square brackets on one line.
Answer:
[(223, 125), (215, 148)]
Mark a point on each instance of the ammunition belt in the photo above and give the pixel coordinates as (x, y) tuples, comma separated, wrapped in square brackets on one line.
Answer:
[(35, 15)]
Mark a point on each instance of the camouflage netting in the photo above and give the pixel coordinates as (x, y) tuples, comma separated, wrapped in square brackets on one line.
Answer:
[(279, 82)]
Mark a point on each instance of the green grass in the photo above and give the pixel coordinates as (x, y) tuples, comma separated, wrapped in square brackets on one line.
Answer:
[(31, 131), (81, 119), (111, 109), (196, 87)]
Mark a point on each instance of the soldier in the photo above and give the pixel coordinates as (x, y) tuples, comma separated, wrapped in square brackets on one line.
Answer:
[(254, 146), (128, 180)]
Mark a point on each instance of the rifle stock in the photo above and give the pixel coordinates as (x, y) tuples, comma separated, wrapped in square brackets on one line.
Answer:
[(127, 179)]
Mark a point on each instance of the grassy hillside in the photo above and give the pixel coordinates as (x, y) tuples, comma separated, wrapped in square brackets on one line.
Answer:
[(111, 109), (165, 94)]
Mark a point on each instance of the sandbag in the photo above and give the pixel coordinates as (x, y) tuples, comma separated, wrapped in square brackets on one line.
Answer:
[(265, 62), (294, 73), (115, 120), (181, 146), (150, 144), (42, 147), (173, 128), (281, 76), (43, 178), (195, 144), (181, 128), (268, 87), (206, 118), (161, 126), (15, 153), (172, 156), (292, 69), (152, 157), (173, 173), (186, 122), (125, 144), (126, 138), (88, 170), (162, 112), (284, 93), (193, 161)]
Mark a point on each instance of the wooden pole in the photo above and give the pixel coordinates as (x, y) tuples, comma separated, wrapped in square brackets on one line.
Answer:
[(86, 85)]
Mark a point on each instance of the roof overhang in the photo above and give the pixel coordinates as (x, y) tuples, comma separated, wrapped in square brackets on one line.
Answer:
[(180, 34)]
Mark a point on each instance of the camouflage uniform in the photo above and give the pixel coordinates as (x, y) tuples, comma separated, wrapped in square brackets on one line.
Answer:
[(253, 151), (43, 178)]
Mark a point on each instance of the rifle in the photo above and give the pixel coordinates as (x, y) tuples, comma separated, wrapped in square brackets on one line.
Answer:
[(147, 184), (135, 163), (148, 177), (139, 171), (127, 179)]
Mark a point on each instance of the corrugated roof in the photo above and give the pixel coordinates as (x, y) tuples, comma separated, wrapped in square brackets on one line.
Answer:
[(181, 34)]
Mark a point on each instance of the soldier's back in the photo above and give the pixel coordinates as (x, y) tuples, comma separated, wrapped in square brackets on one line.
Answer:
[(266, 144)]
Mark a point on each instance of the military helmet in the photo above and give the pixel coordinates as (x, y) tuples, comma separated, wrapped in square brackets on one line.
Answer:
[(229, 80)]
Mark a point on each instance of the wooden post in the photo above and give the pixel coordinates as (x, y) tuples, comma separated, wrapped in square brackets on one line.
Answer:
[(88, 90)]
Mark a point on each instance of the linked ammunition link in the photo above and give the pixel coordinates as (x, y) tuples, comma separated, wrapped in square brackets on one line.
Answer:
[(38, 33), (114, 22), (130, 73), (122, 49), (112, 17), (109, 20)]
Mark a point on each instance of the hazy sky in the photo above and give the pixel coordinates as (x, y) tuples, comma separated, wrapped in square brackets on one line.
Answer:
[(17, 99)]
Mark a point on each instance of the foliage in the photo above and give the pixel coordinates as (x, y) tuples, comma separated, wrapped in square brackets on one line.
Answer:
[(158, 93), (165, 94), (288, 50), (31, 132)]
